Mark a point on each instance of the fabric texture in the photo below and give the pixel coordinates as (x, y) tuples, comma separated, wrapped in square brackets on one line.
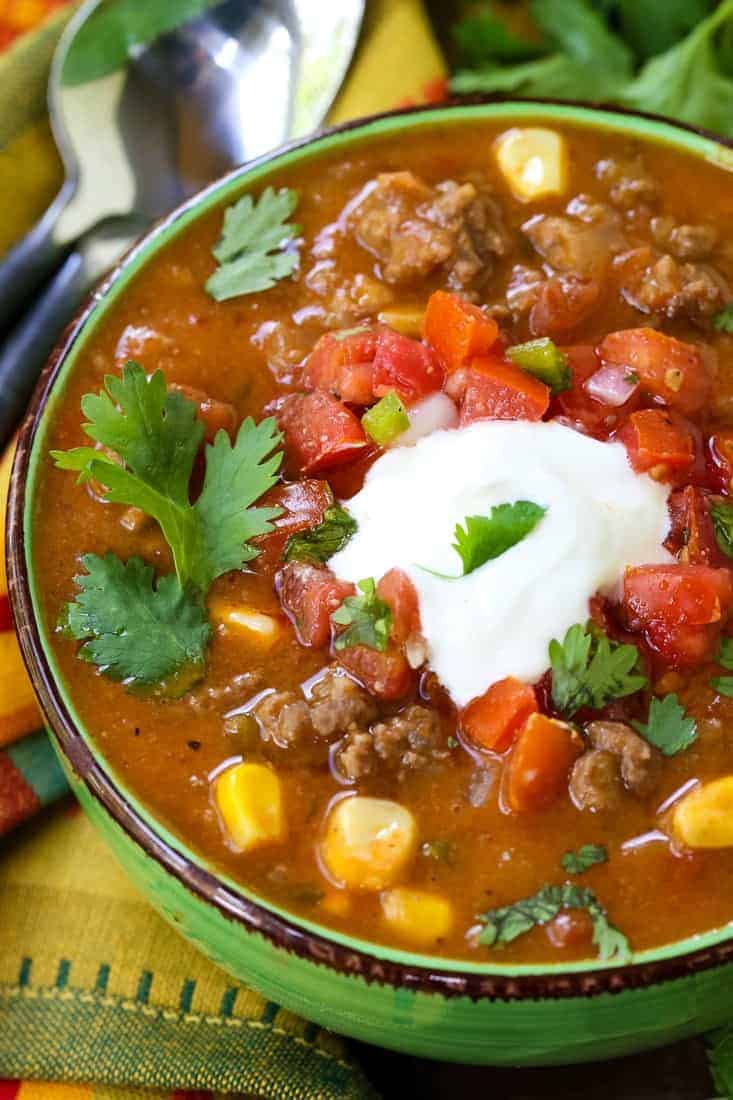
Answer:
[(94, 987)]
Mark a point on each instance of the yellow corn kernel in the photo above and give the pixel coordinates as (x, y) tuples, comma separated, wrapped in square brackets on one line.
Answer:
[(261, 629), (405, 319), (368, 842), (249, 800), (417, 915), (533, 161), (704, 817)]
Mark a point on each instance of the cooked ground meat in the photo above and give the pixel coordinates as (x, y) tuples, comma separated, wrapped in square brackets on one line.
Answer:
[(346, 299), (640, 761), (595, 781), (412, 739), (629, 181), (582, 241), (336, 706), (413, 228), (685, 242), (555, 305), (655, 283)]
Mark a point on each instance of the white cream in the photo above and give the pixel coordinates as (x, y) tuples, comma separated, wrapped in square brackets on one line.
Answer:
[(499, 620)]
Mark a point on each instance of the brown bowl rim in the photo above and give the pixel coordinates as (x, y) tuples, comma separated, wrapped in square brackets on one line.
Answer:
[(255, 916)]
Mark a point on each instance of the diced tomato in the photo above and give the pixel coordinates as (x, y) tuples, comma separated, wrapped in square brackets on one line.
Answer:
[(721, 460), (308, 595), (6, 618), (320, 432), (540, 762), (386, 675), (669, 369), (341, 364), (577, 408), (561, 304), (692, 535), (303, 504), (457, 329), (681, 609), (494, 719), (213, 414), (405, 366), (570, 929), (397, 590), (654, 441), (489, 389)]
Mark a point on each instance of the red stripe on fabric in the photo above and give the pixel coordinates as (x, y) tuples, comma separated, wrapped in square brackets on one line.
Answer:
[(6, 619), (9, 1089), (18, 801)]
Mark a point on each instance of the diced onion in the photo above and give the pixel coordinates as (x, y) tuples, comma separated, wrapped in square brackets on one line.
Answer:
[(612, 386), (434, 413)]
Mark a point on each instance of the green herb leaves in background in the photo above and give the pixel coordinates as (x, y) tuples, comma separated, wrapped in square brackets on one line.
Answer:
[(256, 247), (115, 30), (505, 924), (668, 728), (323, 541), (722, 517), (673, 58), (588, 855), (724, 684), (368, 620), (589, 670), (487, 537)]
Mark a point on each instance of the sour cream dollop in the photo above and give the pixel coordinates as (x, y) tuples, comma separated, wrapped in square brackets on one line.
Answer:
[(499, 620)]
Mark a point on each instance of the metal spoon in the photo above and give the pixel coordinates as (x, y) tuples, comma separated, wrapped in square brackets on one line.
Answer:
[(235, 82)]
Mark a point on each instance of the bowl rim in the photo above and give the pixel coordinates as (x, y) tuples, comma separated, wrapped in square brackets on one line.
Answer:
[(358, 958)]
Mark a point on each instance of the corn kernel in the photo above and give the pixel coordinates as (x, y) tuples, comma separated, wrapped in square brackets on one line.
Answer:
[(417, 915), (406, 320), (533, 161), (368, 842), (249, 800), (704, 817), (261, 629)]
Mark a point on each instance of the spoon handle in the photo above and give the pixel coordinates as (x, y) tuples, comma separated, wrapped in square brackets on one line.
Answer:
[(29, 264), (27, 347)]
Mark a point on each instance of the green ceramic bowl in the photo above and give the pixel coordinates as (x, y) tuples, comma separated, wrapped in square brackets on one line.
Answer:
[(470, 1012)]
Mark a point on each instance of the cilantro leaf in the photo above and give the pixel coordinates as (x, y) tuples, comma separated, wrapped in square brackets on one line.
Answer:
[(487, 537), (323, 541), (719, 1044), (723, 321), (651, 28), (505, 924), (252, 252), (668, 727), (588, 670), (686, 81), (483, 37), (588, 855), (725, 654), (368, 620), (722, 517), (133, 629), (156, 435), (723, 685)]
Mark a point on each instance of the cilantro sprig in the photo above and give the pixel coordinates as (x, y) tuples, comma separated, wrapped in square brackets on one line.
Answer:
[(256, 247), (487, 537), (507, 923), (151, 437), (323, 541), (588, 855), (589, 670), (367, 618), (723, 320), (668, 727), (721, 514)]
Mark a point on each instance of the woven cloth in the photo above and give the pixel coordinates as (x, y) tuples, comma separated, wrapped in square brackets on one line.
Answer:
[(97, 994)]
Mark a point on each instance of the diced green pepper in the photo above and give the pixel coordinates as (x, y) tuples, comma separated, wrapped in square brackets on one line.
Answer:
[(545, 361), (386, 420)]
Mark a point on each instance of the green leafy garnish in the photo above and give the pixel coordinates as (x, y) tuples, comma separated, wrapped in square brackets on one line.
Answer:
[(545, 361), (651, 28), (723, 685), (588, 855), (504, 925), (368, 620), (132, 628), (719, 1044), (386, 420), (588, 670), (252, 252), (156, 435), (323, 541), (487, 537), (668, 727), (722, 517), (484, 38), (723, 321)]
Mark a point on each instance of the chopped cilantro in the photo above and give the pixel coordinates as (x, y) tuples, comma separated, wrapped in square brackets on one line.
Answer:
[(722, 517), (588, 670), (252, 252), (503, 925), (386, 420), (368, 620), (323, 541), (545, 361), (723, 321), (487, 537), (588, 855), (668, 727), (132, 628), (723, 685)]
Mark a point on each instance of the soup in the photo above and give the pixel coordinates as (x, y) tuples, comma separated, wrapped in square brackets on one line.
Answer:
[(428, 642)]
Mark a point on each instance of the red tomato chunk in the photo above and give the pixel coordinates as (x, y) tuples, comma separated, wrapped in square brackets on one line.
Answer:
[(493, 720), (303, 504), (489, 389), (457, 329), (667, 368), (692, 535), (681, 609), (386, 675), (397, 590), (656, 442), (405, 366), (319, 432), (308, 596), (341, 364), (538, 768)]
